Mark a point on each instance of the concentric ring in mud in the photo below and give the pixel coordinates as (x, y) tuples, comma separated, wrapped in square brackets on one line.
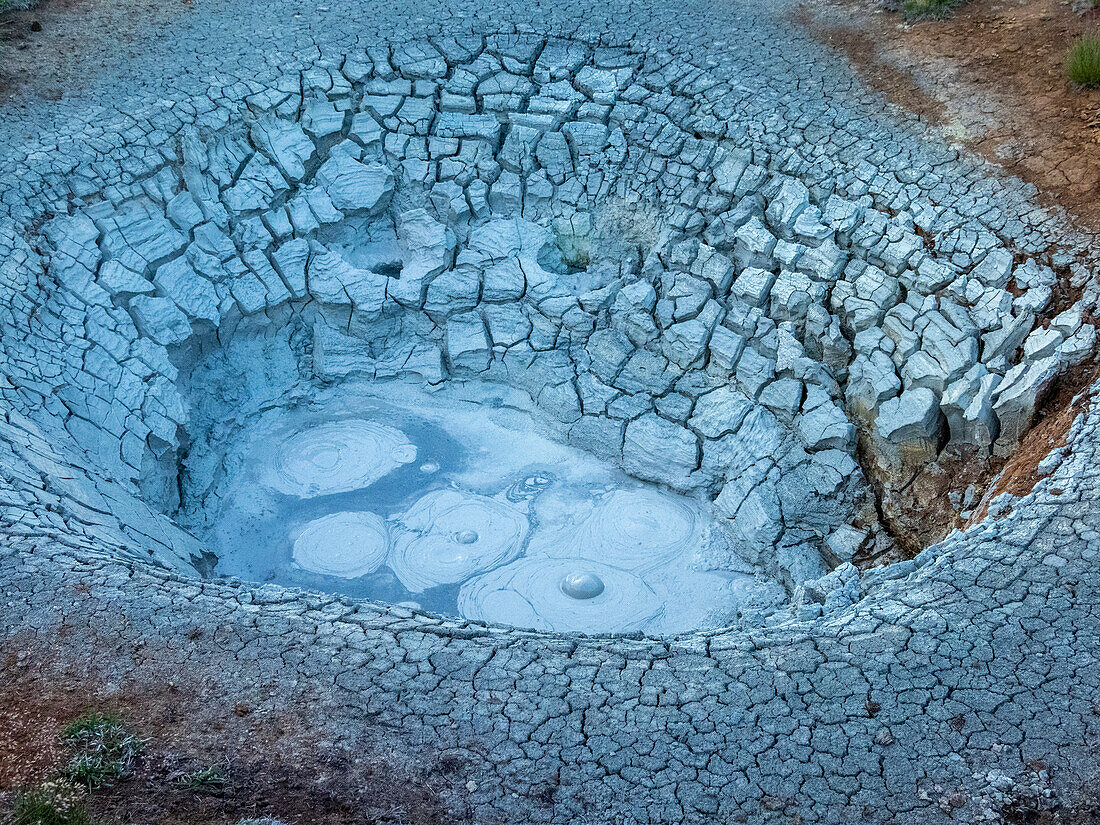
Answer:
[(336, 457), (530, 593), (346, 545), (447, 536)]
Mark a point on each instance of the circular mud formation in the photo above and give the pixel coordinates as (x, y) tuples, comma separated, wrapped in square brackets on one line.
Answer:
[(524, 215), (531, 332)]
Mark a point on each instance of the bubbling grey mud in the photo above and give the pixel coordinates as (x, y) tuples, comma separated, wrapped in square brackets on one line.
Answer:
[(458, 504), (695, 338)]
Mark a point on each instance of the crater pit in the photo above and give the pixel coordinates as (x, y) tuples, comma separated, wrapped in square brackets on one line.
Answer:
[(514, 329)]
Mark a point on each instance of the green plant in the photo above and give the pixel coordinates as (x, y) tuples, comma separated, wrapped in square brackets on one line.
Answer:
[(58, 802), (1083, 61), (574, 240), (929, 9), (210, 778), (103, 750), (576, 255)]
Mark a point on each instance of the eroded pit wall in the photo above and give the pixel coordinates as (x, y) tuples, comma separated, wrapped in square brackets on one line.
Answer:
[(701, 238)]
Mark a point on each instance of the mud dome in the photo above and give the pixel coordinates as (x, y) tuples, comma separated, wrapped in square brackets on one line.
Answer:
[(551, 232)]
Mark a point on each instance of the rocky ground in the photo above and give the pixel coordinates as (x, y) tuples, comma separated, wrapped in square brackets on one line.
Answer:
[(208, 760), (58, 47)]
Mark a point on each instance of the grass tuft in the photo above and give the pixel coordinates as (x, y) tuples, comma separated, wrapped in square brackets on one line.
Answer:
[(103, 750), (212, 778), (1083, 61), (58, 802), (929, 9)]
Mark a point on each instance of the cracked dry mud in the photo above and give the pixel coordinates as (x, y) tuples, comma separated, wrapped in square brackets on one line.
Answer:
[(683, 245)]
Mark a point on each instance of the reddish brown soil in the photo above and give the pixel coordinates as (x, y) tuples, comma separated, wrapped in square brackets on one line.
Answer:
[(29, 747), (1068, 398), (1050, 812), (919, 512), (275, 760), (992, 78)]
